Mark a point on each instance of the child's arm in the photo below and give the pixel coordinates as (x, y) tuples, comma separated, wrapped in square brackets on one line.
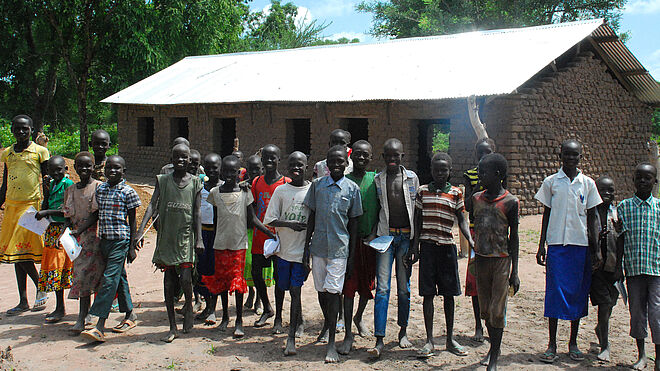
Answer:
[(464, 227), (151, 209), (93, 218), (44, 213), (468, 193), (352, 244), (292, 224), (257, 223), (3, 188), (514, 248), (199, 243), (618, 271), (133, 247), (593, 227), (308, 240), (44, 202), (540, 254), (413, 252)]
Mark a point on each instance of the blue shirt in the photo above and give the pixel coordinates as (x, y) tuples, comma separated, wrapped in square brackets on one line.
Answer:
[(641, 230), (333, 203), (114, 203)]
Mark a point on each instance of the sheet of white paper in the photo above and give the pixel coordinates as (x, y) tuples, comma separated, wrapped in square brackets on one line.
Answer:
[(271, 247), (29, 222), (381, 243), (70, 244)]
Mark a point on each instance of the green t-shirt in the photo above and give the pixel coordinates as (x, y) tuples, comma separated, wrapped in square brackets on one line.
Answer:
[(370, 204), (56, 196)]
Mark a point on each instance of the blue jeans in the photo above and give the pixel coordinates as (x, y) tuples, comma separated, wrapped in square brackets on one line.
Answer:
[(397, 251), (114, 279)]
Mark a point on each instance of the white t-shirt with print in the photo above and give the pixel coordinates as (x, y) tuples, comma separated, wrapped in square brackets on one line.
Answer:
[(286, 203)]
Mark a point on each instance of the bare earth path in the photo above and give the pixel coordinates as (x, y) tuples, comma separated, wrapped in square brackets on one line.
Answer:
[(38, 346)]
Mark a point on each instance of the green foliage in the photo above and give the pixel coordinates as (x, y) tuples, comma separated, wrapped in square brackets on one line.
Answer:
[(440, 140), (67, 142), (341, 40), (408, 18), (6, 137)]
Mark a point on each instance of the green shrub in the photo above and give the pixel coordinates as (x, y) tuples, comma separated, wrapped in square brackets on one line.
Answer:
[(67, 142), (6, 137)]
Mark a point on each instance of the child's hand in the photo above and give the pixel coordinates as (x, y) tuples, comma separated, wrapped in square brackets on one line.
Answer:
[(297, 226), (471, 243), (618, 274), (514, 281), (618, 226), (603, 234), (245, 186), (199, 247), (411, 257), (271, 235), (132, 254), (540, 255), (349, 268), (306, 263), (370, 238), (75, 233), (40, 214)]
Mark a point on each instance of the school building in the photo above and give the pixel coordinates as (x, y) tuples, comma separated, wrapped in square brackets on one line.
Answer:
[(532, 88)]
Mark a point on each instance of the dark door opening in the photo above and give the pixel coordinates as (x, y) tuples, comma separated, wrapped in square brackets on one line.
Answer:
[(178, 128), (145, 135), (298, 136), (358, 127), (224, 132), (432, 136)]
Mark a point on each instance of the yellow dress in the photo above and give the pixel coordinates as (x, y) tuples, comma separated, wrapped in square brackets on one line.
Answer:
[(17, 244)]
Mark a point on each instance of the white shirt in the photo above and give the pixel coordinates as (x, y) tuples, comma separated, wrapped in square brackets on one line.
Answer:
[(286, 203), (569, 202), (231, 229)]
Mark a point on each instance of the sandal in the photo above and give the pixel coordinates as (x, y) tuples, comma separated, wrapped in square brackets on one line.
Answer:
[(93, 334), (576, 355), (459, 351), (40, 301), (424, 354), (17, 310), (549, 357), (124, 325), (54, 318)]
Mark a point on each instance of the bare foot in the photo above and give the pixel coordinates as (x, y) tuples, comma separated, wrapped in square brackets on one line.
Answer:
[(347, 345), (331, 356), (78, 327), (604, 355), (426, 351), (277, 327), (376, 351), (300, 331), (486, 360), (238, 331), (404, 343), (261, 322), (210, 320), (170, 337), (478, 335), (361, 327), (250, 300), (323, 337), (223, 324), (257, 307), (640, 364), (290, 349)]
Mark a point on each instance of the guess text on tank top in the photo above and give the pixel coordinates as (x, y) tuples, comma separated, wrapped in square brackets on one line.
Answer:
[(178, 206)]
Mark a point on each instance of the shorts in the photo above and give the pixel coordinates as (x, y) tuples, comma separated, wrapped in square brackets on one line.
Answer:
[(492, 276), (438, 270), (603, 291), (363, 277), (289, 274), (329, 274), (644, 305)]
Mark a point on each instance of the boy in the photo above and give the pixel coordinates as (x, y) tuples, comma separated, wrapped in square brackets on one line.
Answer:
[(472, 185), (100, 143), (25, 162), (363, 277), (569, 227), (243, 172), (335, 205), (117, 203), (169, 168), (232, 209), (436, 205), (338, 137), (396, 188), (195, 167), (287, 213), (640, 219), (603, 293), (262, 190), (177, 197), (254, 170), (496, 248)]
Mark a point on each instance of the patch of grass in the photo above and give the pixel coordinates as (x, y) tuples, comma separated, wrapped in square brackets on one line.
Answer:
[(212, 349)]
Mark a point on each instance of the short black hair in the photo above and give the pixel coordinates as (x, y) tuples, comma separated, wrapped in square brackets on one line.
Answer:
[(229, 160), (213, 157), (117, 158), (570, 141), (645, 164), (194, 151), (337, 148), (100, 132), (298, 153), (23, 117), (393, 142), (442, 156), (363, 142), (341, 132), (489, 141), (272, 147), (496, 161), (56, 158), (83, 154), (180, 140)]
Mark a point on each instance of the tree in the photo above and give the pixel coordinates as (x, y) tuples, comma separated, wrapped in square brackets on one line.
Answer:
[(408, 18)]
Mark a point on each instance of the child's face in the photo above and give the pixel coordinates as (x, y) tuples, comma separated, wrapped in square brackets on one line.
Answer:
[(22, 130), (337, 164), (180, 159), (644, 178), (195, 161), (483, 149), (270, 160), (100, 144), (239, 156), (114, 170), (489, 177), (440, 170), (57, 169), (230, 172), (392, 156), (254, 168), (605, 188), (297, 168), (570, 155), (338, 139), (84, 166), (361, 155), (212, 168)]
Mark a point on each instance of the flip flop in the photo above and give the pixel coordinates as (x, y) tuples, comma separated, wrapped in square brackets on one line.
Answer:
[(210, 320), (458, 351), (548, 357), (40, 301), (124, 325), (424, 354), (576, 355), (17, 310), (54, 319), (93, 334)]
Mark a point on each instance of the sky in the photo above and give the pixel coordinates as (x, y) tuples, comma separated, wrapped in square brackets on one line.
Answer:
[(641, 19)]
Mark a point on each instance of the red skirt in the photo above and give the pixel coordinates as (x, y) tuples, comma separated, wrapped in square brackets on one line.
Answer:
[(228, 276)]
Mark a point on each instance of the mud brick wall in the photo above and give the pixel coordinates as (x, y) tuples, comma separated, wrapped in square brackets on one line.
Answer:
[(581, 101)]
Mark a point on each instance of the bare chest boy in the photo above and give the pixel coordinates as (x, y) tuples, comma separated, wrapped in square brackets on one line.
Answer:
[(396, 202)]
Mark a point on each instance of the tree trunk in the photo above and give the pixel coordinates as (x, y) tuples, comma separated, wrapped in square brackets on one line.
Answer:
[(82, 112)]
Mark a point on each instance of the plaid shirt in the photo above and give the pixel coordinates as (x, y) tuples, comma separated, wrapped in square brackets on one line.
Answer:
[(114, 203), (641, 228)]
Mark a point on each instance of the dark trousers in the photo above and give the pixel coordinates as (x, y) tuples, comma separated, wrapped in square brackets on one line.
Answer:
[(114, 279)]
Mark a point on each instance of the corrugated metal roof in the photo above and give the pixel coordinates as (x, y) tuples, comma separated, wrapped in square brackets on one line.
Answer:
[(475, 63)]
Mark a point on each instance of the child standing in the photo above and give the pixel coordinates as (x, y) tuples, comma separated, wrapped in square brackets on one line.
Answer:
[(640, 219), (177, 197), (569, 227), (338, 137), (288, 215), (496, 249), (363, 277), (603, 293), (100, 143), (56, 268), (24, 162), (117, 203), (436, 205), (232, 210), (335, 206), (81, 208)]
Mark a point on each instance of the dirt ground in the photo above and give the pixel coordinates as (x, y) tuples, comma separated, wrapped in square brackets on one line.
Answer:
[(35, 344)]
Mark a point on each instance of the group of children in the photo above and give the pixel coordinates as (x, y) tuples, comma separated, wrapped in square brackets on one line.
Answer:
[(203, 215)]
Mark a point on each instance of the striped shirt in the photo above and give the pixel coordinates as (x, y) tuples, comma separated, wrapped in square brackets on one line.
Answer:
[(641, 229), (439, 209)]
